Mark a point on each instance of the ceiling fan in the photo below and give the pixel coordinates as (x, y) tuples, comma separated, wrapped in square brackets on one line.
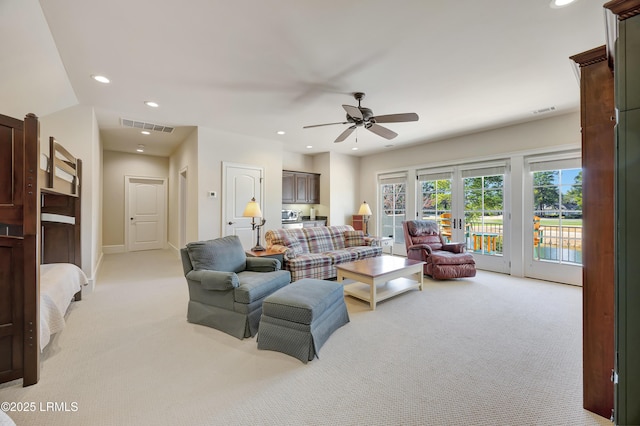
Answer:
[(363, 117)]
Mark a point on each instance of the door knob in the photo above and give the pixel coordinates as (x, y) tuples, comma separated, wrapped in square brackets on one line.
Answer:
[(231, 223)]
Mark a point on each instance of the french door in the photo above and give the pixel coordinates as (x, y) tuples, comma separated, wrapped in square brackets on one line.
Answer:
[(468, 203), (393, 208), (553, 235)]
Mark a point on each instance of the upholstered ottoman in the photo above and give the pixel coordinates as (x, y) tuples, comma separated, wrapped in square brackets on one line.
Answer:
[(299, 318)]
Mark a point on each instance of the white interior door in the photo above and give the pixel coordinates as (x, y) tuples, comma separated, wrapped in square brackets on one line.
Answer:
[(241, 183), (146, 219)]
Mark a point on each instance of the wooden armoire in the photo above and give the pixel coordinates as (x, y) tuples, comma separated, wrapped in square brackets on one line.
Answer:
[(597, 119)]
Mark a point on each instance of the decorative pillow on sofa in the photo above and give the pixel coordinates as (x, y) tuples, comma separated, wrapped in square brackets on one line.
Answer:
[(354, 238), (295, 248)]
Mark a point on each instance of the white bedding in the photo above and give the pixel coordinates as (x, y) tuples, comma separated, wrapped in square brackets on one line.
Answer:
[(58, 283)]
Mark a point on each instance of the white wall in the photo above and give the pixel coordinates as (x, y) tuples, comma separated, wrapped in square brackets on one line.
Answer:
[(117, 165), (185, 157), (76, 128), (297, 162), (206, 154), (340, 186)]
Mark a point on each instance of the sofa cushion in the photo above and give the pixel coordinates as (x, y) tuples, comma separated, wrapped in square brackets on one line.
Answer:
[(311, 261), (441, 257), (341, 256), (354, 238), (432, 240), (222, 254), (365, 252), (337, 235), (319, 239), (295, 248)]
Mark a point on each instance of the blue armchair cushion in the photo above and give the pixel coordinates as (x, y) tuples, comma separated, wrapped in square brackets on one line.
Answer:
[(256, 285), (215, 280), (262, 264), (222, 254)]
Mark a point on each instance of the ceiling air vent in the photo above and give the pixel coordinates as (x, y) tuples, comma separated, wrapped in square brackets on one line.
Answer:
[(145, 126)]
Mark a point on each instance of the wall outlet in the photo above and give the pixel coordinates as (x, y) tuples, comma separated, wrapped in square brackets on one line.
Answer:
[(213, 194)]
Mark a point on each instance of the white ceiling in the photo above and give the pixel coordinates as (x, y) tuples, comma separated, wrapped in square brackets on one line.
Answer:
[(255, 67)]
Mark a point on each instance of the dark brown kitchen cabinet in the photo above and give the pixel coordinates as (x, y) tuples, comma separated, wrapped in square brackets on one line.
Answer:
[(300, 188), (288, 188)]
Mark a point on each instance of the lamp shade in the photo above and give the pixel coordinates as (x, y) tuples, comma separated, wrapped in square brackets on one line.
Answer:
[(365, 210), (252, 209)]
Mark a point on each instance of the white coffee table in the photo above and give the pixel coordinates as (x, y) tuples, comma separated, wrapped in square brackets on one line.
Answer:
[(382, 277)]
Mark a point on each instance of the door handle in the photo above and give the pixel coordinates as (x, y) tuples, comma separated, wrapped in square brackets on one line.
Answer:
[(230, 223), (460, 225)]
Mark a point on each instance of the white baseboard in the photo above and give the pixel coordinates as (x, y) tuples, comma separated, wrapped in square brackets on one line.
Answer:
[(113, 249), (175, 249)]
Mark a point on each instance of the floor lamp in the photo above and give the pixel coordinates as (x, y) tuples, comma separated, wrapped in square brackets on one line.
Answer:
[(365, 211), (253, 210)]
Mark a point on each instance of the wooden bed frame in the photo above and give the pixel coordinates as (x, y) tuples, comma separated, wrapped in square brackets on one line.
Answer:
[(26, 241)]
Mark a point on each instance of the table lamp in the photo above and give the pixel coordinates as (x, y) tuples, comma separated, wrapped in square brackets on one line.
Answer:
[(365, 211), (253, 210)]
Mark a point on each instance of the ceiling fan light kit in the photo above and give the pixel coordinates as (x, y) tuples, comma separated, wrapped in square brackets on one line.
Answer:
[(363, 117)]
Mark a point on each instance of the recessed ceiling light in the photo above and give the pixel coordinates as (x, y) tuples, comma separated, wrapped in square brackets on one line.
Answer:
[(557, 4), (100, 79), (355, 148), (140, 148), (281, 132), (145, 132), (152, 104), (309, 146)]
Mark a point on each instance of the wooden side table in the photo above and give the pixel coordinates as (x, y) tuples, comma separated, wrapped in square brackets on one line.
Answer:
[(267, 253)]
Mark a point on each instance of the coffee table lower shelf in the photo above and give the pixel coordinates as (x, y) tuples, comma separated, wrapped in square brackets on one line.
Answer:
[(384, 291)]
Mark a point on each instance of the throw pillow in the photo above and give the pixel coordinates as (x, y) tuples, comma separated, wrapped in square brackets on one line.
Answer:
[(295, 248), (354, 238)]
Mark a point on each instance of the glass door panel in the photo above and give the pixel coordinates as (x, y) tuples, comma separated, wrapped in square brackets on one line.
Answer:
[(436, 204), (555, 242), (393, 211)]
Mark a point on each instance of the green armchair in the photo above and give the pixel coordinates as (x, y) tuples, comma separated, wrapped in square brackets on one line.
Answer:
[(226, 288)]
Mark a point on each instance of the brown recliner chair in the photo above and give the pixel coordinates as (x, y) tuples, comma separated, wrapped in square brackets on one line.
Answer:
[(444, 260)]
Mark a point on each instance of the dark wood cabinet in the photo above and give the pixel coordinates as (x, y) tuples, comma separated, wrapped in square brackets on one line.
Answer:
[(597, 119), (300, 188), (313, 189), (288, 188)]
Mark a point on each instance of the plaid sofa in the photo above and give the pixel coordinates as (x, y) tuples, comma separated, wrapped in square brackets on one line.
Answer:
[(315, 252)]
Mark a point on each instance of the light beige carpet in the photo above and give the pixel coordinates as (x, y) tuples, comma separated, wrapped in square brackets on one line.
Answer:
[(493, 350)]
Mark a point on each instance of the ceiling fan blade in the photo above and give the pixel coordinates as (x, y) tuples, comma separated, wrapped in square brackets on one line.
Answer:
[(396, 118), (353, 111), (327, 124), (345, 134), (382, 131)]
